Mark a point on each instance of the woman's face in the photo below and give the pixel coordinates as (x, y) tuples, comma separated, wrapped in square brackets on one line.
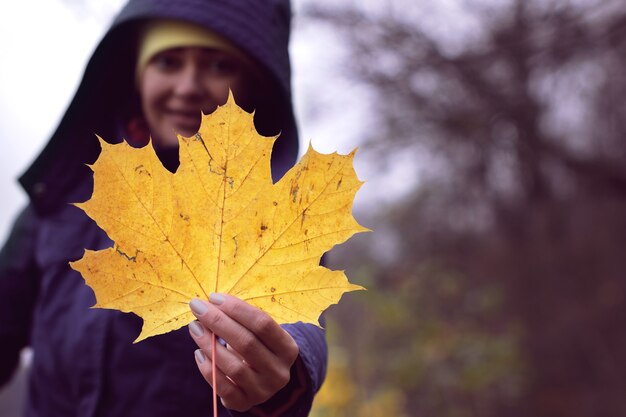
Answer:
[(178, 83)]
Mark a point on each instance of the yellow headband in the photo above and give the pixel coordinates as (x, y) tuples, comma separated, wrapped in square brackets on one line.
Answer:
[(160, 35)]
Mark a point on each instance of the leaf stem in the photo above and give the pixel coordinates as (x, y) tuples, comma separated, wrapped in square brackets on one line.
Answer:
[(213, 372)]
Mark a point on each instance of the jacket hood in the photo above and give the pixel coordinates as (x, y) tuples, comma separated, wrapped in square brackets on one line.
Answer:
[(259, 28)]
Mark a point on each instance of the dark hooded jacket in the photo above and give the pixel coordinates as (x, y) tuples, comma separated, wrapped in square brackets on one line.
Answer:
[(84, 362)]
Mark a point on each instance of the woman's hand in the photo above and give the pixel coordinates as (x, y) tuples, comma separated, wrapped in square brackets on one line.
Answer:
[(257, 360)]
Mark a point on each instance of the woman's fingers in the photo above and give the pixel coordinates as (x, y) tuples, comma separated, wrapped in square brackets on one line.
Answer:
[(234, 352), (252, 388), (229, 362), (258, 322), (242, 340), (232, 396), (259, 355)]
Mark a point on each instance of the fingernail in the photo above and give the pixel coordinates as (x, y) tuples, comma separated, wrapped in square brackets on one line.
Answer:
[(199, 356), (198, 307), (196, 329), (217, 298)]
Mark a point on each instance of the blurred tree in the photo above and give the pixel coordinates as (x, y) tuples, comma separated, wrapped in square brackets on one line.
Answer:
[(505, 291)]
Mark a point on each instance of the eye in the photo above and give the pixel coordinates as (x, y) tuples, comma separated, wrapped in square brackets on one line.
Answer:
[(166, 61), (220, 64), (224, 66)]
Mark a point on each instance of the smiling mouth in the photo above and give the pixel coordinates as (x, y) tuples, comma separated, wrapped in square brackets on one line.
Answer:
[(187, 122)]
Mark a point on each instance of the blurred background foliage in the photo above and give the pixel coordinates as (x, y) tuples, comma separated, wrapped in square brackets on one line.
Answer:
[(497, 281)]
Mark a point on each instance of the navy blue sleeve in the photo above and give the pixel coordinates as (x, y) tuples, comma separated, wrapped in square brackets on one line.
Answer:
[(307, 375), (18, 291)]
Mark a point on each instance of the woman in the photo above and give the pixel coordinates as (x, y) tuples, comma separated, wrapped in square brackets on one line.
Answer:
[(159, 64)]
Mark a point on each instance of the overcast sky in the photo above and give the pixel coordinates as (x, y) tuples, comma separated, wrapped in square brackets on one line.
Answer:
[(43, 53)]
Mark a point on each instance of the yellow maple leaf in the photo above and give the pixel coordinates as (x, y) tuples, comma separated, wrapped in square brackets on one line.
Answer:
[(218, 224)]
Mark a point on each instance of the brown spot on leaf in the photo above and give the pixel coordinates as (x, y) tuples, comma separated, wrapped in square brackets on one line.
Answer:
[(140, 169), (294, 192), (128, 257), (303, 217)]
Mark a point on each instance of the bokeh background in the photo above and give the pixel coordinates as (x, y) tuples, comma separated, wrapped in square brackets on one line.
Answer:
[(492, 136)]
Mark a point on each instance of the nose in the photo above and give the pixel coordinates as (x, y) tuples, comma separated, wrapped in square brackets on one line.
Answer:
[(188, 83)]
